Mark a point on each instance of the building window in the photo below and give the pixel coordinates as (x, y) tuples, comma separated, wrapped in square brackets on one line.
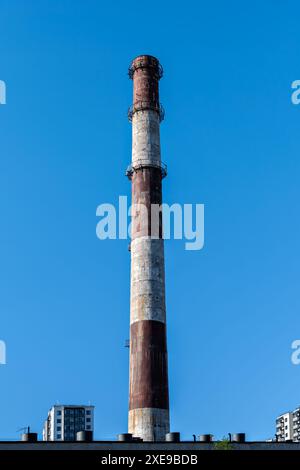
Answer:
[(88, 420), (58, 420), (88, 412), (58, 436), (88, 427), (58, 428), (59, 413)]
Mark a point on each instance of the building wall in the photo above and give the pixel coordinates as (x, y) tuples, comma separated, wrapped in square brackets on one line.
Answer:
[(64, 421), (288, 426), (284, 427), (296, 425)]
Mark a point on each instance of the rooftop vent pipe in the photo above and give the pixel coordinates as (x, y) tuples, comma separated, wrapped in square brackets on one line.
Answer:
[(239, 437), (29, 437), (84, 436), (173, 437), (205, 438), (125, 437)]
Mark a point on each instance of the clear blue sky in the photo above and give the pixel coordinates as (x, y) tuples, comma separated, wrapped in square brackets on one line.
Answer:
[(231, 141)]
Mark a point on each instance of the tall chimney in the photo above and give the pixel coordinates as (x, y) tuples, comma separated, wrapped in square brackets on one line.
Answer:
[(148, 390)]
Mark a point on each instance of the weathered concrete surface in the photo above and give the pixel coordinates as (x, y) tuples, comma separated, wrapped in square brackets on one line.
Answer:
[(146, 192), (147, 293), (148, 349), (152, 423), (145, 137)]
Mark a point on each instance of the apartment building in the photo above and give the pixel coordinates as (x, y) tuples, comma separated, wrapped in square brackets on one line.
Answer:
[(288, 426), (64, 421)]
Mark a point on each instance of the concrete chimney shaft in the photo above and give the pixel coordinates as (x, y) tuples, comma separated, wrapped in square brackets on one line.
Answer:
[(148, 390)]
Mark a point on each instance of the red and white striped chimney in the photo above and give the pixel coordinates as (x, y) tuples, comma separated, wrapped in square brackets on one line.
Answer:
[(148, 392)]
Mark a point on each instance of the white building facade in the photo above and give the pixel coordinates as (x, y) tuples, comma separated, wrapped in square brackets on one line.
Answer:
[(296, 425), (284, 427), (288, 426), (64, 421)]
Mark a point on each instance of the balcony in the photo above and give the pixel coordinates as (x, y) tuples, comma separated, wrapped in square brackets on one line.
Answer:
[(143, 106), (140, 164)]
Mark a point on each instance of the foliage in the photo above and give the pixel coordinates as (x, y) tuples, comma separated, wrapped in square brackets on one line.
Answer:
[(224, 444)]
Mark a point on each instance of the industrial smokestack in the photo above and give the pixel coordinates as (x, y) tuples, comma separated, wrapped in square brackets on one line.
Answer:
[(148, 393)]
